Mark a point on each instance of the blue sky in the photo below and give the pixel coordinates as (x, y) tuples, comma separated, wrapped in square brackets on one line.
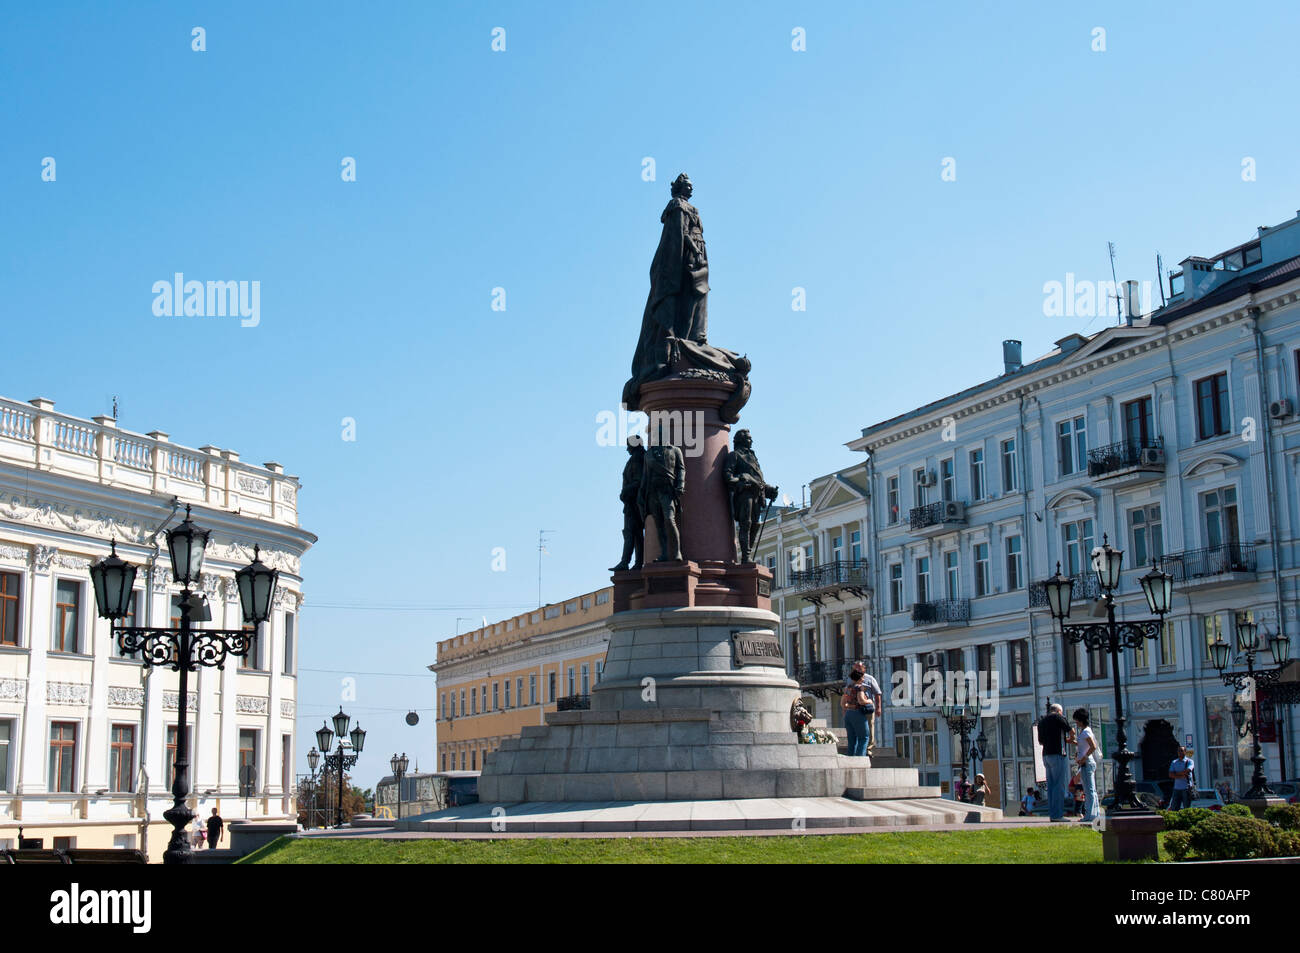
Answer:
[(522, 169)]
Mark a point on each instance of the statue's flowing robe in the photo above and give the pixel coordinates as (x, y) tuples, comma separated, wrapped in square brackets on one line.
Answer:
[(675, 323)]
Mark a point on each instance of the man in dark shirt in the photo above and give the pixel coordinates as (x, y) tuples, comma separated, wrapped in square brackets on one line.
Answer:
[(1053, 733), (216, 827)]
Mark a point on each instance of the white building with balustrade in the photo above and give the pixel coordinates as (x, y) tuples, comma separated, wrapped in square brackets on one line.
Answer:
[(87, 736)]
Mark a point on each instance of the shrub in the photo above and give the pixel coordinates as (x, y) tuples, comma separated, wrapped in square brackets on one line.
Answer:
[(1285, 816), (1228, 837), (1237, 810), (1185, 819), (1288, 843), (1178, 844)]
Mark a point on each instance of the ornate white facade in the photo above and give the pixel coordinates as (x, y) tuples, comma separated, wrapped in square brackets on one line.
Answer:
[(83, 731)]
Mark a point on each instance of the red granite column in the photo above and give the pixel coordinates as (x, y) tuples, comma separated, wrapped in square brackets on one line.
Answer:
[(688, 410)]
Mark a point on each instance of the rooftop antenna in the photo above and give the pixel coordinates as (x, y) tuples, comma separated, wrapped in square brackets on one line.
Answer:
[(541, 551), (1110, 246), (1160, 277)]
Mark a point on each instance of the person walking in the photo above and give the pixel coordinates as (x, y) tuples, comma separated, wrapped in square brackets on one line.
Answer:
[(196, 833), (980, 792), (1087, 754), (216, 828), (1053, 733), (1182, 771), (871, 701)]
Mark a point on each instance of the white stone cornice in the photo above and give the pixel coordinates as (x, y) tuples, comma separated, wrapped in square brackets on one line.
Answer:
[(16, 554)]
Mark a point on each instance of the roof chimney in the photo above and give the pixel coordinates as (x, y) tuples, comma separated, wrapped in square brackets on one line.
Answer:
[(1011, 356)]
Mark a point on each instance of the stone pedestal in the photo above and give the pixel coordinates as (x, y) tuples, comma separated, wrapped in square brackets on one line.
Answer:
[(675, 717), (1131, 837), (1261, 804)]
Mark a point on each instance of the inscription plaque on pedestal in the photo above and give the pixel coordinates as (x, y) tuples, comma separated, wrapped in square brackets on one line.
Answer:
[(757, 648)]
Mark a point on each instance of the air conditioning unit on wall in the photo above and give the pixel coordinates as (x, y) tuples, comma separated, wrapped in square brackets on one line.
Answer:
[(954, 511), (1153, 456), (928, 478), (1280, 409)]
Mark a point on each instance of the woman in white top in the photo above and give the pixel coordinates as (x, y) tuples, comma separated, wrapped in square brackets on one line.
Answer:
[(1086, 757)]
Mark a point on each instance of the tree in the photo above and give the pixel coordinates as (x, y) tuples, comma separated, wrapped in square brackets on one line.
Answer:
[(326, 791)]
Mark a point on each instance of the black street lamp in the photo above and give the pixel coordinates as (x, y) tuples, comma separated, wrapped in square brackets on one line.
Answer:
[(345, 756), (1247, 646), (1114, 637), (399, 766), (313, 760), (961, 718), (184, 649)]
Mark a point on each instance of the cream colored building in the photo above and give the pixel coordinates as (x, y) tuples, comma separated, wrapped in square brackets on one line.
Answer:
[(496, 679), (87, 736)]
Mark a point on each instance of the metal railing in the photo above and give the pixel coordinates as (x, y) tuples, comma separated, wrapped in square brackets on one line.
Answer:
[(944, 610), (838, 572), (931, 514), (1214, 561), (573, 703), (823, 672), (1120, 456), (1086, 586)]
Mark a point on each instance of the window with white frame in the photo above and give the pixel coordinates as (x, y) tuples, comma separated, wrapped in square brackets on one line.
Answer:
[(1145, 530), (919, 481), (892, 497), (947, 480), (1168, 645), (6, 739), (1010, 468), (977, 474), (952, 572), (1015, 568), (1078, 546), (855, 545), (9, 608), (1072, 445), (1219, 510), (896, 587), (923, 579), (67, 613), (983, 573)]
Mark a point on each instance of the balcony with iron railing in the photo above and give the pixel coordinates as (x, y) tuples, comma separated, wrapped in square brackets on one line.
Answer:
[(941, 612), (573, 703), (1132, 460), (1086, 587), (934, 518), (828, 580), (1213, 566), (822, 672)]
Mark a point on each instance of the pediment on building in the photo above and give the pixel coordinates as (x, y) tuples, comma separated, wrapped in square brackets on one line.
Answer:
[(1071, 497), (1210, 463)]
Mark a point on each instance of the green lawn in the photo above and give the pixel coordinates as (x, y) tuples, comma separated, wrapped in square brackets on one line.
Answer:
[(1023, 845)]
